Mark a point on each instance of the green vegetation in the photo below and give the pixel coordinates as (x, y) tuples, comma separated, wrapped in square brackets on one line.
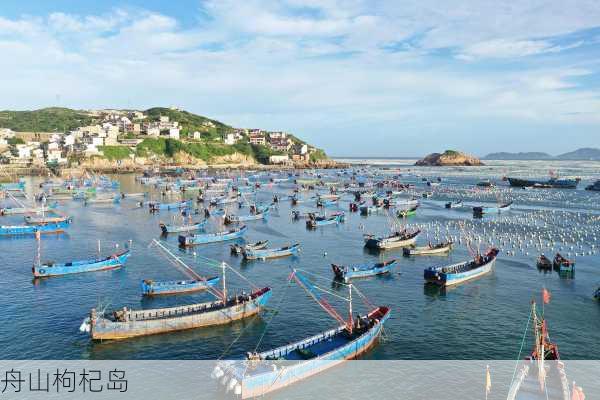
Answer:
[(52, 119), (210, 129), (115, 152), (170, 147), (15, 140), (318, 155), (451, 153)]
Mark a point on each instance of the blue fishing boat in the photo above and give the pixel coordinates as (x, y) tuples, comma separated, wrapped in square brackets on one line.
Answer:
[(205, 238), (233, 219), (13, 186), (262, 373), (236, 249), (461, 272), (263, 254), (366, 210), (362, 271), (193, 226), (161, 288), (492, 210), (563, 264), (597, 294), (75, 267), (315, 221), (552, 183), (17, 230), (155, 206)]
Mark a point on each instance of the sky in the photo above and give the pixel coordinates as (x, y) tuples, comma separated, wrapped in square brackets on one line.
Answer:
[(357, 78)]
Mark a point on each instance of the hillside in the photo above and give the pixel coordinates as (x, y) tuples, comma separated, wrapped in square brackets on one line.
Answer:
[(518, 156), (581, 154), (577, 155), (52, 119), (210, 128)]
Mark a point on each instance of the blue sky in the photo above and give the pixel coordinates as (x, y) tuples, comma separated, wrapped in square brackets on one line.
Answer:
[(356, 77)]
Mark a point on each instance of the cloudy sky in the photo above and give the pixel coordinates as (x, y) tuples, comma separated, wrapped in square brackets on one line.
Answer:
[(357, 77)]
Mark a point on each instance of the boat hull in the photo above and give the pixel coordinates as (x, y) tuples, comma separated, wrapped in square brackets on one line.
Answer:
[(445, 280), (176, 287), (45, 270)]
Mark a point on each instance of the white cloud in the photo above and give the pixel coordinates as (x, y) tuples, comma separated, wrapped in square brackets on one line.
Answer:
[(302, 63)]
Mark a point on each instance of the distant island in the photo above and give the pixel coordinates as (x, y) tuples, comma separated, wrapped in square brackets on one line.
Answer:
[(132, 139), (449, 158), (584, 154)]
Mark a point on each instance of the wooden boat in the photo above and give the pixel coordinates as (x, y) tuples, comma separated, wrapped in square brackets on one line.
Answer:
[(455, 204), (263, 254), (234, 219), (195, 226), (362, 271), (544, 262), (161, 288), (366, 210), (406, 203), (126, 323), (485, 184), (75, 267), (326, 203), (221, 201), (595, 187), (13, 186), (430, 249), (462, 272), (17, 230), (393, 241), (194, 239), (297, 215), (156, 206), (236, 249), (481, 210), (33, 220), (542, 375), (262, 373), (26, 210), (315, 221), (102, 199), (597, 294), (563, 264)]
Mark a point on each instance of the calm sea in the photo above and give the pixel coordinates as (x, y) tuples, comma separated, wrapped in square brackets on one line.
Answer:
[(481, 319)]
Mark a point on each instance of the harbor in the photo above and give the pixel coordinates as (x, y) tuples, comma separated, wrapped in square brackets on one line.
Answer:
[(426, 320)]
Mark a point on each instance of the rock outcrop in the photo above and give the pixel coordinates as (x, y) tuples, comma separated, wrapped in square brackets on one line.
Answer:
[(449, 158)]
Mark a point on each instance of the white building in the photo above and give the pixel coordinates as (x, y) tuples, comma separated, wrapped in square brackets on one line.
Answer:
[(230, 139), (153, 131), (197, 135), (174, 133), (284, 159)]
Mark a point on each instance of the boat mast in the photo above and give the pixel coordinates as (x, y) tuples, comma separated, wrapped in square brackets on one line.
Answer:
[(223, 265), (350, 321)]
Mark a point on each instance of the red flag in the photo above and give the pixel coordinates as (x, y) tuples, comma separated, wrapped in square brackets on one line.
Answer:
[(546, 296)]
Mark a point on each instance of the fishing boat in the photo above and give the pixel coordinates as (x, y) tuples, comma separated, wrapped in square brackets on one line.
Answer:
[(597, 294), (544, 262), (366, 210), (563, 264), (194, 239), (407, 213), (26, 210), (552, 183), (345, 273), (49, 269), (263, 254), (236, 249), (315, 221), (192, 226), (429, 250), (18, 230), (126, 323), (326, 203), (406, 203), (162, 288), (262, 373), (297, 215), (43, 220), (481, 210), (395, 240), (13, 186), (157, 206), (454, 204), (462, 272), (485, 184), (594, 187), (234, 219), (542, 376)]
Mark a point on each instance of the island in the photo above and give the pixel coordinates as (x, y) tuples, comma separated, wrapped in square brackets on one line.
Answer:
[(449, 158), (583, 154)]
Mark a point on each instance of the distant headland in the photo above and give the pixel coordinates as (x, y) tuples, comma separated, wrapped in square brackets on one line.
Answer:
[(449, 158), (583, 154)]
